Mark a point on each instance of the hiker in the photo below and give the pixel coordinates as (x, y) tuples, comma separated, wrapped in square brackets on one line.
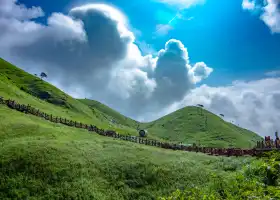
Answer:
[(277, 142)]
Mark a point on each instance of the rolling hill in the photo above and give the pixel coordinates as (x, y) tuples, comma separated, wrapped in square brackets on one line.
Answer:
[(196, 125), (110, 114), (44, 160), (187, 125), (25, 88)]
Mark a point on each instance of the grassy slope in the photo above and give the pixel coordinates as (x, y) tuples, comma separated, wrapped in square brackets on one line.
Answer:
[(44, 160), (185, 125), (110, 114), (188, 125), (18, 85)]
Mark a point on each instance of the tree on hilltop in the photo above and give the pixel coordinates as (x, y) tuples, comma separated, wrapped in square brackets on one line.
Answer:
[(43, 75)]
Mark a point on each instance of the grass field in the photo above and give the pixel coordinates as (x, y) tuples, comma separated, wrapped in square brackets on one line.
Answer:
[(195, 125), (29, 89), (44, 160), (187, 125)]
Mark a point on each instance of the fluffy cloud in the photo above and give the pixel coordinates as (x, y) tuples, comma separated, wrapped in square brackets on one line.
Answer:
[(201, 71), (254, 105), (93, 49), (10, 9), (271, 15), (91, 53), (248, 4), (270, 12)]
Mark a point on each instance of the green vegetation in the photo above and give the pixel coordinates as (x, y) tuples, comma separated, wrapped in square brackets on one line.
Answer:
[(25, 88), (196, 125), (44, 160), (258, 180), (187, 125), (110, 114)]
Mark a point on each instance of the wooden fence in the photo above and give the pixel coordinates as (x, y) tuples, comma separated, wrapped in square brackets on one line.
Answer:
[(27, 109)]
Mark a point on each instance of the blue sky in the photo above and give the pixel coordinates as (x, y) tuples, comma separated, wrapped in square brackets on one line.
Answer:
[(233, 41), (148, 58)]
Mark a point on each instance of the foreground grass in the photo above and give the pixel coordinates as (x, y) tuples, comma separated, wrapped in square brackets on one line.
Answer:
[(257, 180), (43, 160)]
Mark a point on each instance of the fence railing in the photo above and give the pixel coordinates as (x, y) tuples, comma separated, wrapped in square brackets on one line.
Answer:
[(28, 109)]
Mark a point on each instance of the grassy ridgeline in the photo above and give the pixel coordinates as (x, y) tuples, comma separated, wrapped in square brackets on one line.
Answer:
[(195, 125), (26, 89), (186, 125), (47, 161), (44, 160)]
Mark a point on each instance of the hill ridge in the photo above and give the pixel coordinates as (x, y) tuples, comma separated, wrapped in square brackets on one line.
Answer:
[(27, 109), (184, 125)]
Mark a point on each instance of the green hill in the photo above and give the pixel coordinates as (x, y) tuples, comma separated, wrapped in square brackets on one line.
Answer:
[(44, 160), (196, 125), (187, 125), (25, 88), (110, 114)]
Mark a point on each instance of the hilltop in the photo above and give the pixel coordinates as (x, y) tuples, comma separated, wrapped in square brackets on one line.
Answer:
[(44, 160), (197, 125), (25, 88), (187, 125)]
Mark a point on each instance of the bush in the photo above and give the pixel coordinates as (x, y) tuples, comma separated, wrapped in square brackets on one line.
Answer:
[(259, 180)]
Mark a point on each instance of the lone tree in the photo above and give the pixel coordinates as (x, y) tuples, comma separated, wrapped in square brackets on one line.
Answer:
[(43, 75)]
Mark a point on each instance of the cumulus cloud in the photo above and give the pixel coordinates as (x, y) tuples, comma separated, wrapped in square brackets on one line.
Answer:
[(254, 105), (92, 49), (11, 9), (91, 52), (201, 71), (270, 12), (271, 15), (248, 4)]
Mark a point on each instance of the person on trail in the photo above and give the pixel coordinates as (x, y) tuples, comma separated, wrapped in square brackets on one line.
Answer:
[(277, 142)]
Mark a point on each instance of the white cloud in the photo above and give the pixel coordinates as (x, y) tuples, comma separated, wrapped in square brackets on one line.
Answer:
[(270, 13), (248, 4), (163, 29), (253, 105), (11, 9), (92, 53), (182, 4), (93, 49), (274, 73), (64, 26), (201, 71)]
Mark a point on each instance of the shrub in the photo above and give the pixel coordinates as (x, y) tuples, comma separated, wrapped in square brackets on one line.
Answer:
[(258, 180)]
